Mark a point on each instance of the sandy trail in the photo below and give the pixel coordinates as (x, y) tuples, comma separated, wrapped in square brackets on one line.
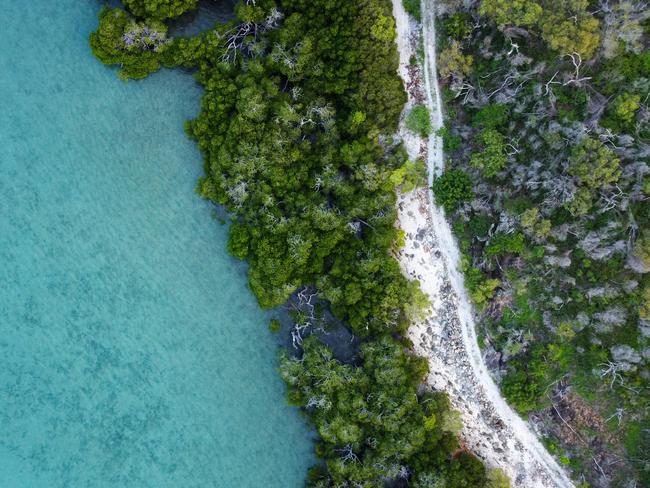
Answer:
[(447, 337)]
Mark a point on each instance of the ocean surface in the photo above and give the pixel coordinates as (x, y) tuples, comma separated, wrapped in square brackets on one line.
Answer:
[(132, 353)]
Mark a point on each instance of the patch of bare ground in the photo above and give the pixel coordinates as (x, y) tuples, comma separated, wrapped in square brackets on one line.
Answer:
[(579, 428)]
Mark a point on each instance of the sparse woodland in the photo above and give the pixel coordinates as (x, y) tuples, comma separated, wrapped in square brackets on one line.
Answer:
[(301, 100), (547, 142)]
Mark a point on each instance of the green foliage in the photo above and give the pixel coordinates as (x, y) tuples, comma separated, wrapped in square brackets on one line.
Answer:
[(238, 241), (479, 225), (498, 479), (505, 244), (482, 292), (160, 9), (535, 226), (622, 112), (572, 103), (411, 175), (491, 156), (481, 288), (642, 250), (413, 8), (566, 25), (135, 46), (492, 116), (644, 308), (452, 188), (450, 142), (522, 390), (457, 26), (571, 29), (419, 120), (630, 67), (452, 61), (594, 164), (581, 203), (369, 419), (508, 12), (275, 326)]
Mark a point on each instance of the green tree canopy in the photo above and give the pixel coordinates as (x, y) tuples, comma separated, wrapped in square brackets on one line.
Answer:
[(490, 158), (594, 164), (452, 188), (160, 9)]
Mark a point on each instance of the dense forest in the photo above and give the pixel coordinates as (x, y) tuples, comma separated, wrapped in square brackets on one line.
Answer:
[(547, 143), (301, 98)]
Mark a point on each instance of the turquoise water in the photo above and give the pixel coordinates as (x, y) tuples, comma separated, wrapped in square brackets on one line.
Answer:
[(131, 352)]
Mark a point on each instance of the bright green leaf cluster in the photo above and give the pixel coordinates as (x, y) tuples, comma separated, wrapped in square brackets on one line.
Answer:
[(452, 188), (160, 9), (491, 156)]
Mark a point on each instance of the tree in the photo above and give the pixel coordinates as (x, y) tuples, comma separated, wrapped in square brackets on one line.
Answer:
[(497, 479), (413, 8), (457, 26), (492, 116), (642, 251), (159, 9), (452, 61), (409, 176), (594, 164), (136, 46), (581, 202), (452, 188), (524, 13), (623, 111), (644, 308), (623, 24), (505, 244), (533, 225), (491, 157), (566, 33), (565, 25), (568, 27), (369, 415), (419, 121)]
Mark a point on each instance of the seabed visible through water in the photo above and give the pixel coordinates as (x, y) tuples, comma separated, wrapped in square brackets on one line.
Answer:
[(132, 353)]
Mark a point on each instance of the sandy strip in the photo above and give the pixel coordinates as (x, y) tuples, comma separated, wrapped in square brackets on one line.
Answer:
[(447, 337)]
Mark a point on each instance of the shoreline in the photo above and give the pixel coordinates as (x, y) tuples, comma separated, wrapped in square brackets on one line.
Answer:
[(447, 336)]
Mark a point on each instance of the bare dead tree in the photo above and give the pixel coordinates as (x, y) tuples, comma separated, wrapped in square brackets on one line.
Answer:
[(612, 200), (618, 414), (306, 308), (506, 82), (347, 454), (514, 47), (514, 148), (244, 36), (464, 90), (607, 137), (576, 59), (144, 38), (318, 402), (547, 87), (612, 369)]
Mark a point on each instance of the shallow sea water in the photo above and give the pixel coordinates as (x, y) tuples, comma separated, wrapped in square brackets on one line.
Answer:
[(131, 352)]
